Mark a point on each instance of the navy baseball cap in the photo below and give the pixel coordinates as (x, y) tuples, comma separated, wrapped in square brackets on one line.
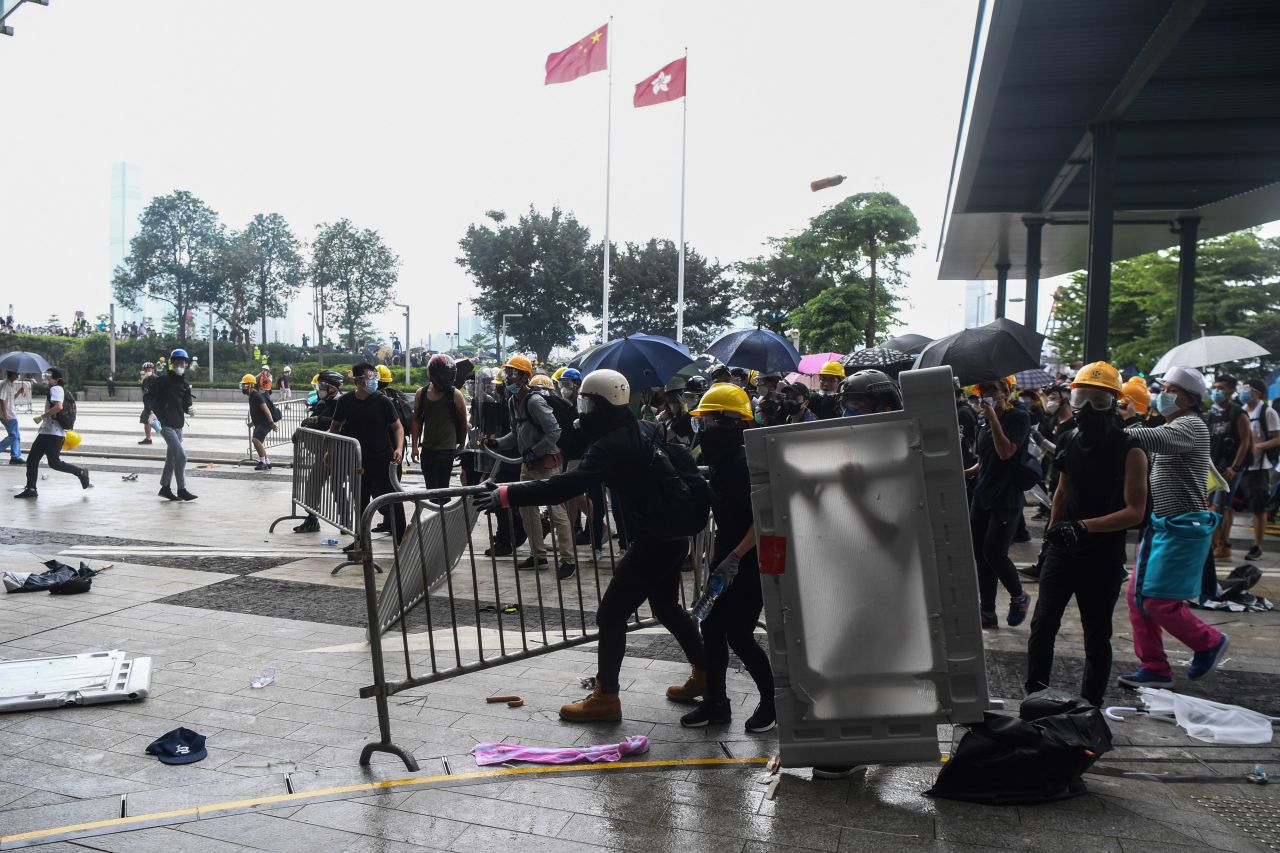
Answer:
[(180, 746)]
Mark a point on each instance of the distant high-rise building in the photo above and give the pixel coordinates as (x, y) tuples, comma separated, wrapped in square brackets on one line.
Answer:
[(979, 303), (126, 206)]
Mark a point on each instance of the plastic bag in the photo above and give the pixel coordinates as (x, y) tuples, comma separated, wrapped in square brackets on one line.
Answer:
[(1206, 720), (60, 579)]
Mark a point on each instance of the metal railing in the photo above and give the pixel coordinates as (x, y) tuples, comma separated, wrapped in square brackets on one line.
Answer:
[(292, 413), (459, 612), (327, 471)]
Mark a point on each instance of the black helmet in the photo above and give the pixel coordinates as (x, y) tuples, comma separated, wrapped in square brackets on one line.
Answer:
[(442, 370), (696, 385), (330, 377), (740, 372), (874, 386)]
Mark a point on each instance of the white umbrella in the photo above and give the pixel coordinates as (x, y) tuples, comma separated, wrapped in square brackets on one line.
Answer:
[(1203, 352)]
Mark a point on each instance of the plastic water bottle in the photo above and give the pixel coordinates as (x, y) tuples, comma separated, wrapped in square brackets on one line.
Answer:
[(702, 607), (155, 425), (331, 541)]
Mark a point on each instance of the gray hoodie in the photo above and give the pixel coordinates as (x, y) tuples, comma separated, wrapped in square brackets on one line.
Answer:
[(533, 426)]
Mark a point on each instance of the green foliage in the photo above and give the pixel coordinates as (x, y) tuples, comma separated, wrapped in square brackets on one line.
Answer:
[(354, 275), (270, 259), (1237, 293), (835, 319), (643, 293), (771, 288), (543, 267)]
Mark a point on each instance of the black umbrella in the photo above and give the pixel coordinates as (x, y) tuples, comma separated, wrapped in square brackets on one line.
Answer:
[(882, 358), (987, 352), (911, 344), (756, 349)]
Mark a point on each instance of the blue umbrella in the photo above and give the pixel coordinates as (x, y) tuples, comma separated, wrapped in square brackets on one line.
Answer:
[(647, 361), (756, 349), (23, 362)]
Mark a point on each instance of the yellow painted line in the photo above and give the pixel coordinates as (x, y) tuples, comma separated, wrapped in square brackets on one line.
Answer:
[(125, 823)]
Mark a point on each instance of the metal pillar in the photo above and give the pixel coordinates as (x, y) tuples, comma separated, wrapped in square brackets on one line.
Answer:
[(1188, 232), (1035, 230), (1097, 302), (1002, 287), (111, 336)]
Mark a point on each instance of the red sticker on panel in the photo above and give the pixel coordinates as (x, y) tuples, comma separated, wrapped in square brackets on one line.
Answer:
[(773, 555)]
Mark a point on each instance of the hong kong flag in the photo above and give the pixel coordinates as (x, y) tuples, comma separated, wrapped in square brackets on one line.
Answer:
[(666, 85), (583, 57)]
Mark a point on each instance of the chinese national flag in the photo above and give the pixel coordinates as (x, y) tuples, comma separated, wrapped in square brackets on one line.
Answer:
[(666, 85), (583, 57)]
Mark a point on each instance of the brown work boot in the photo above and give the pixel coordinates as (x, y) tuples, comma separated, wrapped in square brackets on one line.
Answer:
[(1222, 551), (598, 707), (694, 687)]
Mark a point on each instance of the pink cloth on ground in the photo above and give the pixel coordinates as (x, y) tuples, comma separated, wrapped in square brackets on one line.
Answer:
[(496, 753)]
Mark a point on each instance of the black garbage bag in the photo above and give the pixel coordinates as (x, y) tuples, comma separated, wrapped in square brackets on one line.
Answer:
[(1016, 761), (60, 579)]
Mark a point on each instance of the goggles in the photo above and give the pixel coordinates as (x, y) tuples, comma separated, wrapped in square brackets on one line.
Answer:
[(586, 404), (717, 420), (1097, 398)]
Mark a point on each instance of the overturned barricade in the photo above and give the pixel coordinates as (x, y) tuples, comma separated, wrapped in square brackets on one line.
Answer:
[(868, 576)]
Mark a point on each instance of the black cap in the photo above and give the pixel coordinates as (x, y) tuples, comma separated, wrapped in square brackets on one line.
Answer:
[(180, 746)]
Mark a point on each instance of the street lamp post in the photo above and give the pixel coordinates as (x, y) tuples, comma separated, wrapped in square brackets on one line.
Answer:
[(405, 351), (458, 338), (502, 338)]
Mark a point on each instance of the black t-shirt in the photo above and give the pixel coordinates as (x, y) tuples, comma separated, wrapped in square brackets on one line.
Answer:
[(256, 401), (368, 421), (997, 487), (731, 505), (1095, 487)]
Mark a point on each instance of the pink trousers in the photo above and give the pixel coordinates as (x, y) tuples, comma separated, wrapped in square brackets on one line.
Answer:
[(1165, 614)]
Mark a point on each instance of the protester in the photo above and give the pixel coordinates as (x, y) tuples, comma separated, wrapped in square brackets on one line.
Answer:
[(169, 402), (573, 446), (767, 404), (439, 422), (618, 457), (328, 385), (9, 417), (795, 404), (265, 380), (261, 417), (1255, 485), (869, 392), (57, 418), (370, 418), (1229, 446), (1102, 492), (967, 419), (724, 412), (826, 403), (285, 378), (998, 500), (148, 379), (1174, 547), (111, 386)]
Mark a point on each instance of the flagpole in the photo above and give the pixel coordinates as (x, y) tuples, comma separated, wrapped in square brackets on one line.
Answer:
[(608, 173), (684, 144)]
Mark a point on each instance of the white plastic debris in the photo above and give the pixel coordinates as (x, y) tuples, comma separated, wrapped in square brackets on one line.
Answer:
[(262, 679), (1206, 720)]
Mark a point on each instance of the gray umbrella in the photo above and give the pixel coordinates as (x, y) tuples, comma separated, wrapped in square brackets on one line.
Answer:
[(23, 362)]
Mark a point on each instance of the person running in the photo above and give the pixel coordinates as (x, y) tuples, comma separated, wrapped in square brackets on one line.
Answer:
[(1229, 446), (997, 501), (1255, 485), (1102, 492), (328, 386), (148, 379), (370, 418), (264, 423), (1176, 544), (439, 422), (54, 423), (9, 417), (619, 458), (169, 401), (725, 412)]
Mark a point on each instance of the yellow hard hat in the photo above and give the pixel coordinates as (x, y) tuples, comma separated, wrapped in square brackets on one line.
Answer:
[(1136, 392), (726, 398), (519, 362), (542, 380), (559, 372), (384, 373), (315, 379), (752, 377), (832, 368), (71, 440), (1099, 374), (249, 379)]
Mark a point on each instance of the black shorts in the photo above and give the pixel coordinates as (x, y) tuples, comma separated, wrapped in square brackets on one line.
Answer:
[(261, 431), (1255, 490)]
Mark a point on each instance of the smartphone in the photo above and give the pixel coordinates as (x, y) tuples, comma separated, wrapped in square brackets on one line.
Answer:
[(989, 401)]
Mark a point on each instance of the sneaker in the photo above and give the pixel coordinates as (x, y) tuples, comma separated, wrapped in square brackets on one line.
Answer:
[(27, 493), (532, 562), (498, 551), (764, 718), (310, 525), (261, 466), (694, 686), (166, 492), (708, 713), (185, 495), (381, 527), (837, 772), (564, 571), (990, 622), (1146, 678), (145, 441), (17, 462), (84, 481), (1255, 553), (1202, 663), (1222, 552), (1018, 607)]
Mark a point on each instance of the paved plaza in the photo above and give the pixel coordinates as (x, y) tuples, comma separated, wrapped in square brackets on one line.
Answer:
[(214, 599)]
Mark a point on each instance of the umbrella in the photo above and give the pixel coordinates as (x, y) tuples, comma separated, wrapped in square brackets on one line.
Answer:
[(801, 379), (23, 362), (576, 361), (881, 358), (813, 362), (647, 361), (1033, 378), (1202, 352), (756, 349), (910, 344), (984, 353)]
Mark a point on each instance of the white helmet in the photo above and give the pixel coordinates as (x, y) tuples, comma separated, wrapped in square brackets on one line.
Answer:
[(608, 386)]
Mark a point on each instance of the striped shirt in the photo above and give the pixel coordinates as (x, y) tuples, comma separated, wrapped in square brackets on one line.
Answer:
[(1180, 463)]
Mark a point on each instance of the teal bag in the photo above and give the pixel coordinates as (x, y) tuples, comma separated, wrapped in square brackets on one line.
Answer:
[(1171, 560)]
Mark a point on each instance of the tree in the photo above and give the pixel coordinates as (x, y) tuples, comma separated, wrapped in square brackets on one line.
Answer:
[(480, 343), (543, 267), (354, 275), (235, 301), (835, 319), (771, 288), (275, 264), (174, 258), (855, 236), (642, 296), (1237, 293)]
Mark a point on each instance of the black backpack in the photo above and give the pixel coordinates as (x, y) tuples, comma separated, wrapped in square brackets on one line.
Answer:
[(66, 418), (1272, 454), (403, 410), (677, 500), (566, 413), (272, 408)]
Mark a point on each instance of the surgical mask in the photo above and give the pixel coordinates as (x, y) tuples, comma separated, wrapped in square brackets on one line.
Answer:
[(180, 369), (371, 385), (1246, 394), (1052, 406), (1167, 403), (512, 387), (1219, 396), (791, 407)]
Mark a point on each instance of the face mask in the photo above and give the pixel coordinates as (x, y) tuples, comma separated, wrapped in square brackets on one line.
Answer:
[(1094, 424), (512, 387), (1219, 396), (719, 444), (180, 369), (791, 407), (1246, 395), (1052, 406), (1167, 403), (371, 385)]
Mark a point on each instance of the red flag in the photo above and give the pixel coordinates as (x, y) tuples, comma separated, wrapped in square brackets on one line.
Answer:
[(589, 54), (666, 85)]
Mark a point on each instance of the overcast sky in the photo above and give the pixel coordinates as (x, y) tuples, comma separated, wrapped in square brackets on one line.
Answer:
[(414, 118)]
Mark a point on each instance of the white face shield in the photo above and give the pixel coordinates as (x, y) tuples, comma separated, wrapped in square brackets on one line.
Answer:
[(586, 404)]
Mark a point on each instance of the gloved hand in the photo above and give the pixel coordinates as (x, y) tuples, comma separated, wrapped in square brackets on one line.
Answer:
[(488, 501), (728, 568), (529, 457), (1066, 534)]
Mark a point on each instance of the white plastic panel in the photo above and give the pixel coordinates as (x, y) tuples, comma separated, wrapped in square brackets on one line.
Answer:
[(85, 679)]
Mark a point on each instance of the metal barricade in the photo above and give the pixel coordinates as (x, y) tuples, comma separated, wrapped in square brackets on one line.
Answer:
[(327, 471), (458, 611), (292, 414)]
